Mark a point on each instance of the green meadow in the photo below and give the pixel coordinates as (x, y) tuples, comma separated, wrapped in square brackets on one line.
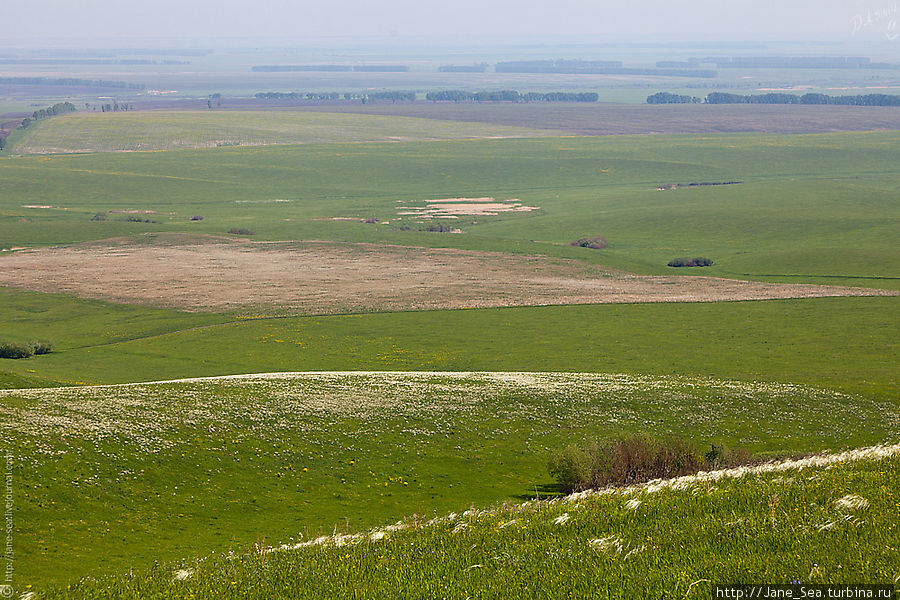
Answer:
[(833, 524), (811, 208), (392, 415), (844, 343), (174, 130), (114, 478)]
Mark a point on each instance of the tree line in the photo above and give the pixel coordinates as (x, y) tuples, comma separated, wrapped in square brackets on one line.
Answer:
[(68, 81), (320, 96), (510, 96), (57, 109), (777, 98)]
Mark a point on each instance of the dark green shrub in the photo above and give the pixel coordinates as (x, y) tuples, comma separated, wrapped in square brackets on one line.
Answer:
[(16, 350), (594, 243), (573, 466), (240, 231), (42, 347), (698, 261), (24, 349), (99, 217), (137, 219)]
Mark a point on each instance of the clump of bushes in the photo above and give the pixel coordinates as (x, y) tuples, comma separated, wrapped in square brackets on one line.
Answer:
[(441, 228), (595, 243), (241, 231), (698, 261), (24, 349), (137, 219), (635, 459)]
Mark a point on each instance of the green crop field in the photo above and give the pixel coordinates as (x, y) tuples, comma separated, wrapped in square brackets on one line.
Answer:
[(152, 487), (173, 130)]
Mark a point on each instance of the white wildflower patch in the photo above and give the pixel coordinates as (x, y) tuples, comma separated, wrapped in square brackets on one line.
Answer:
[(561, 519), (147, 414), (615, 545), (851, 502), (182, 574), (632, 504)]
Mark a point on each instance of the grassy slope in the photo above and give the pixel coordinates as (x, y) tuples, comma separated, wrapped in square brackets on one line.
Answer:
[(172, 130), (813, 208), (112, 478), (846, 343), (774, 528)]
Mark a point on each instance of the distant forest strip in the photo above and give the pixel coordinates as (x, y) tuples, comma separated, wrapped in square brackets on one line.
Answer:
[(511, 96), (330, 68), (794, 62), (314, 96), (89, 61), (777, 98), (67, 81), (593, 67), (445, 96)]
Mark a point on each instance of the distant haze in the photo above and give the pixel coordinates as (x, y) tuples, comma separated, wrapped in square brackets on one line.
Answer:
[(95, 22)]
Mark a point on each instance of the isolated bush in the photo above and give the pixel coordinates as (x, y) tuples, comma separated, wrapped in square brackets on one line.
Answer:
[(99, 217), (10, 349), (371, 220), (698, 261), (595, 243), (42, 347), (622, 461), (441, 228), (197, 218), (240, 231), (16, 350)]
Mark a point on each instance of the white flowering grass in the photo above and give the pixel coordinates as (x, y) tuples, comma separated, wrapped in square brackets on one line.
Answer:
[(212, 462)]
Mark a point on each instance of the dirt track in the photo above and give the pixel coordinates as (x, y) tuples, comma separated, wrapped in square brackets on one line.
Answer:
[(322, 278)]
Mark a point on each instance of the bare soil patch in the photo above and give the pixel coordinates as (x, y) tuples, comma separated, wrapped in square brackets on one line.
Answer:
[(452, 208), (217, 274)]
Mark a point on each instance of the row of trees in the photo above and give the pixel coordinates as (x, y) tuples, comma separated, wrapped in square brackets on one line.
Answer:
[(318, 96), (330, 68), (777, 98), (511, 96), (68, 81), (57, 109), (780, 98), (669, 98)]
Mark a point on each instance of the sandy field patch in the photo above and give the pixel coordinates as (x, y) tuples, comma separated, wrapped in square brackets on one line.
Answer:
[(206, 274), (453, 208)]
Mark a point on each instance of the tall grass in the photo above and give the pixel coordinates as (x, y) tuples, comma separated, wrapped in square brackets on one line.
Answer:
[(833, 523)]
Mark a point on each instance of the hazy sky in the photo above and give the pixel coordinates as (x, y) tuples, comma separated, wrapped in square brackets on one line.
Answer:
[(94, 20)]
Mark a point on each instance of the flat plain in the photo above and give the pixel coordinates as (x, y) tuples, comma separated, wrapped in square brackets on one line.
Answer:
[(174, 130)]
